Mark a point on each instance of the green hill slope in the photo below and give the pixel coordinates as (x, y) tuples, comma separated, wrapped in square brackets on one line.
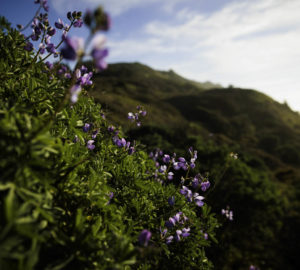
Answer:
[(246, 117)]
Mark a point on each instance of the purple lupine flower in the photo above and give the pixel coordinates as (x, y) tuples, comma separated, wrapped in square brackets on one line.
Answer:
[(170, 223), (169, 240), (59, 24), (177, 216), (28, 47), (182, 163), (63, 69), (37, 31), (110, 196), (99, 55), (185, 167), (184, 219), (45, 5), (42, 48), (186, 232), (170, 175), (198, 200), (34, 37), (51, 48), (34, 23), (119, 142), (84, 69), (49, 65), (205, 235), (76, 139), (51, 31), (85, 79), (193, 153), (228, 213), (162, 168), (127, 145), (64, 35), (86, 127), (75, 91), (144, 237), (68, 75), (163, 232), (136, 116), (72, 48), (195, 182), (131, 116), (181, 159), (187, 193), (95, 133), (176, 166), (166, 159), (177, 235), (205, 185), (184, 190), (78, 23), (47, 39), (111, 128), (131, 150), (90, 144), (171, 201)]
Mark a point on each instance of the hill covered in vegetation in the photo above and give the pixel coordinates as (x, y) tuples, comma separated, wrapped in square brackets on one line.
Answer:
[(262, 185)]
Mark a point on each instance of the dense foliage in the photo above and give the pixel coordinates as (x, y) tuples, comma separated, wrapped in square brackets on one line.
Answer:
[(262, 185), (74, 194)]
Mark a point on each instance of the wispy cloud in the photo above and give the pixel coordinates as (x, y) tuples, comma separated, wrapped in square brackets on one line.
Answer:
[(247, 43)]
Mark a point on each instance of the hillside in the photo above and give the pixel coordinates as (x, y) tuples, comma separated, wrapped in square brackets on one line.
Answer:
[(241, 116), (122, 86), (262, 186)]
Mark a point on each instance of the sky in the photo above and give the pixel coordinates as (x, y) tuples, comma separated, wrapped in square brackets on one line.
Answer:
[(245, 43)]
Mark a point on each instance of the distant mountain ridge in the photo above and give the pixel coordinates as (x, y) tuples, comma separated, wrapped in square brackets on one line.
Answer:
[(243, 116)]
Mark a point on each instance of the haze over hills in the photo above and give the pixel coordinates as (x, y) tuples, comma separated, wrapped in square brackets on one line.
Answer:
[(262, 186)]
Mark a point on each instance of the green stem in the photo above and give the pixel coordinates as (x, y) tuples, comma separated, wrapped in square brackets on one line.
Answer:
[(58, 45)]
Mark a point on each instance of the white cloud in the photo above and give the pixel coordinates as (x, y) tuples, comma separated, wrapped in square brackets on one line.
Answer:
[(247, 43)]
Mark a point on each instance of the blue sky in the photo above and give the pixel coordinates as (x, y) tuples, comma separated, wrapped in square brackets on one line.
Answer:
[(251, 44)]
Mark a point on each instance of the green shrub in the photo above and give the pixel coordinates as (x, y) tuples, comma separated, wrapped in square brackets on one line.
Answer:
[(65, 206)]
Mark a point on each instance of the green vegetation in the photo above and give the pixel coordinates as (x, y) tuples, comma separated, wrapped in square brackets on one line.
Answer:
[(262, 186), (72, 195)]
